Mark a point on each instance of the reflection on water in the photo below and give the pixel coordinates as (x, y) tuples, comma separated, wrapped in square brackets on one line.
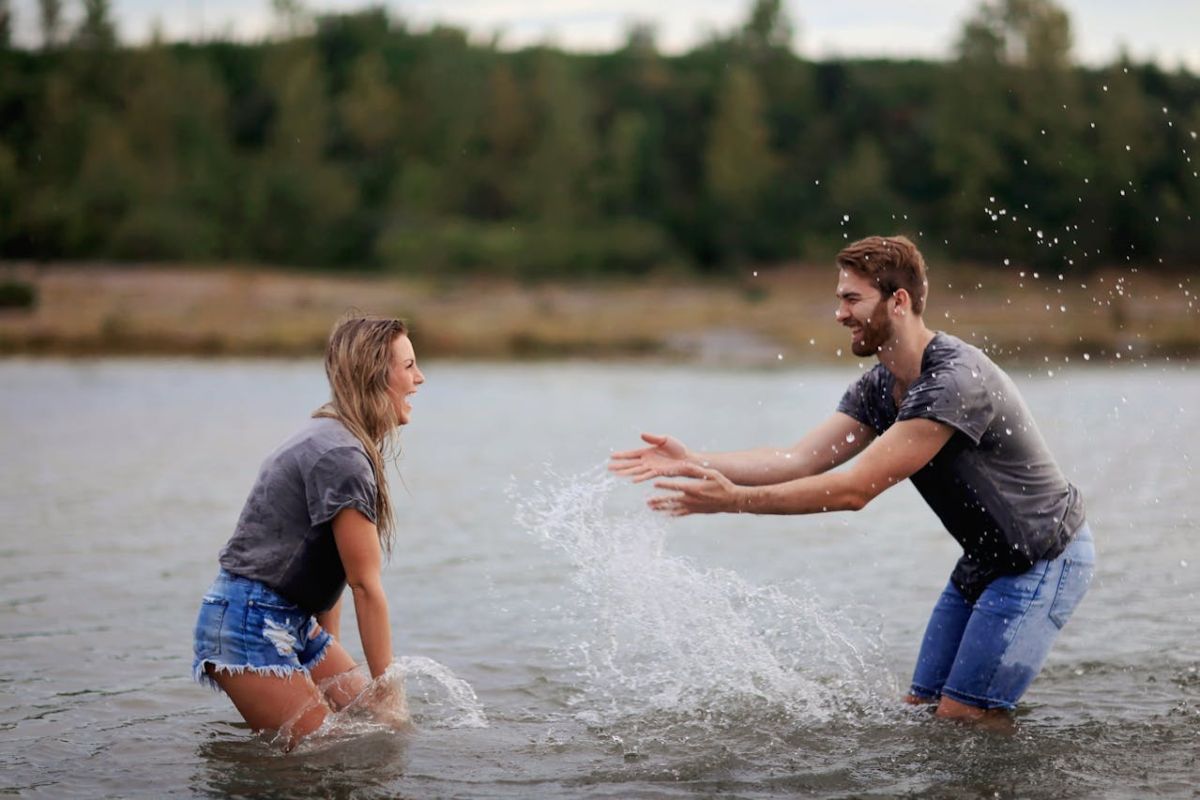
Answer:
[(556, 640), (340, 768)]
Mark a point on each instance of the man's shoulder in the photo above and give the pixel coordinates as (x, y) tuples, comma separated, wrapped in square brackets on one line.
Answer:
[(947, 352)]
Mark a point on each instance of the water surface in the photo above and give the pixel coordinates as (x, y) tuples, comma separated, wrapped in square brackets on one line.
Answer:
[(610, 654)]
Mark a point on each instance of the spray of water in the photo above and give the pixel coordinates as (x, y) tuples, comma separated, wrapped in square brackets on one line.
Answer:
[(413, 693), (658, 635)]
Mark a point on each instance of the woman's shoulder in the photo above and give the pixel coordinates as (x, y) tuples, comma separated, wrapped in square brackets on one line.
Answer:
[(321, 436)]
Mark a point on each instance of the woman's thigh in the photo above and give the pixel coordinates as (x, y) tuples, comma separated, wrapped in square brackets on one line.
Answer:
[(291, 703), (336, 676)]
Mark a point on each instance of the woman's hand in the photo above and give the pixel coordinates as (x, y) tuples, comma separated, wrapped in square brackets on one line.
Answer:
[(663, 454), (385, 702)]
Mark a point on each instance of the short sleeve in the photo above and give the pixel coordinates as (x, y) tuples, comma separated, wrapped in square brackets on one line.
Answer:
[(953, 394), (341, 478), (867, 400), (852, 403)]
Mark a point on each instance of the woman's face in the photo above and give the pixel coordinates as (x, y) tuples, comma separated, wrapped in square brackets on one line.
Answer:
[(403, 378)]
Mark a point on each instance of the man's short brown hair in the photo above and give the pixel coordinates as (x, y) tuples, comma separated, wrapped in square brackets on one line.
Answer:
[(891, 263)]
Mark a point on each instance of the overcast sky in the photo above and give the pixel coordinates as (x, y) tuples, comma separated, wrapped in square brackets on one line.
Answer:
[(1165, 30)]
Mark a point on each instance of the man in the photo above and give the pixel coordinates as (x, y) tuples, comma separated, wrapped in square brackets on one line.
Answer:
[(938, 411)]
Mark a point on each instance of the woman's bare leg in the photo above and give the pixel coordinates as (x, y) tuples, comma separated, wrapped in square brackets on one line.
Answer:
[(270, 702), (336, 677)]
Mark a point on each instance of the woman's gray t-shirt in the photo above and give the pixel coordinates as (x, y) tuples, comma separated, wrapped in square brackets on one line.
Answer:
[(284, 537), (994, 485)]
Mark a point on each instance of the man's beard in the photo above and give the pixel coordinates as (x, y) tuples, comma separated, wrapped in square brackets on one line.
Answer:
[(876, 331)]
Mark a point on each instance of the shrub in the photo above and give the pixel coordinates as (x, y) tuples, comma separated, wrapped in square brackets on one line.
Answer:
[(17, 294)]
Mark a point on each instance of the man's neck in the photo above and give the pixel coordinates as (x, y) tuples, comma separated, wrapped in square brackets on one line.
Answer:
[(903, 353)]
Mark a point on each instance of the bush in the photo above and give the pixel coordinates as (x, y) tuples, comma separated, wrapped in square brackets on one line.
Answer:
[(17, 294), (534, 250)]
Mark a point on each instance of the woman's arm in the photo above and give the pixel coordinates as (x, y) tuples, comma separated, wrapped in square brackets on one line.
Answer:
[(358, 545)]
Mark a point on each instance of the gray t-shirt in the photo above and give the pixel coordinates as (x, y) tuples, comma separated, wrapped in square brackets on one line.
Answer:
[(284, 537), (994, 485)]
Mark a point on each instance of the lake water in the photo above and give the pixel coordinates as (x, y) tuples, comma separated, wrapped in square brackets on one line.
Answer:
[(558, 640)]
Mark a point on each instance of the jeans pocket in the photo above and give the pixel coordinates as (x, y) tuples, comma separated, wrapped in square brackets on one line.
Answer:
[(208, 626), (1072, 585)]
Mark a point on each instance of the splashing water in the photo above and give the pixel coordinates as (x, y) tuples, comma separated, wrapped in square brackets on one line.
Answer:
[(414, 691), (665, 637)]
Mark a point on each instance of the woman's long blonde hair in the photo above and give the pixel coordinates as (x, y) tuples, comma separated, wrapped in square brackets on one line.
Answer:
[(358, 362)]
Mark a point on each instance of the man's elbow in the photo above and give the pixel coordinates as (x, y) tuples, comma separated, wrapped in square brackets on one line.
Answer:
[(856, 499)]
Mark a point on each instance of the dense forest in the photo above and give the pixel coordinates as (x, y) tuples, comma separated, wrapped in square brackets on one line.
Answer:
[(354, 141)]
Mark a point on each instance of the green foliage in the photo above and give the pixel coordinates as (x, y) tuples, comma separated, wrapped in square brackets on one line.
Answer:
[(17, 294), (350, 140), (534, 251)]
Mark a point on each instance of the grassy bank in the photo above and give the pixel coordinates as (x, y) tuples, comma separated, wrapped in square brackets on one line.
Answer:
[(784, 311)]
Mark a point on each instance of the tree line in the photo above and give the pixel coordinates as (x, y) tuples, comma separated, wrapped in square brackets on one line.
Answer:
[(356, 141)]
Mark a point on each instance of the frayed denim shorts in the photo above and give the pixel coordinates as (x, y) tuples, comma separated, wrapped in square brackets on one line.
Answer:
[(244, 626), (985, 654)]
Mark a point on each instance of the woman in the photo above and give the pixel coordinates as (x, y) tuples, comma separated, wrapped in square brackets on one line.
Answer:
[(318, 518)]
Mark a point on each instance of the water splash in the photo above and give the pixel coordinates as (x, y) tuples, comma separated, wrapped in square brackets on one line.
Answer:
[(438, 697), (662, 636), (413, 693)]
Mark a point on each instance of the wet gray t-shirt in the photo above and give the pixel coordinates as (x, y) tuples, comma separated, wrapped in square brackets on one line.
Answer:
[(994, 485), (284, 537)]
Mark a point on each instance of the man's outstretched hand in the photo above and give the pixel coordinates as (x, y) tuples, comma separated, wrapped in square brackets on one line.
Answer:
[(709, 492), (664, 454)]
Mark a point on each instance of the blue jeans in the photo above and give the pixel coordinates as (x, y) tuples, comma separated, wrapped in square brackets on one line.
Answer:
[(244, 625), (985, 654)]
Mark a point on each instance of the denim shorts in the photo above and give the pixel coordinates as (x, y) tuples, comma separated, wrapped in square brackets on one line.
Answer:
[(985, 654), (243, 625)]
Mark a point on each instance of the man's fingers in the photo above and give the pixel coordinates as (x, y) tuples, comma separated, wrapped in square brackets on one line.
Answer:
[(686, 488), (654, 439), (672, 506)]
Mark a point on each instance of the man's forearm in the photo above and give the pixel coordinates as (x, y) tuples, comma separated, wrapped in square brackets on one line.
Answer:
[(811, 495), (758, 467)]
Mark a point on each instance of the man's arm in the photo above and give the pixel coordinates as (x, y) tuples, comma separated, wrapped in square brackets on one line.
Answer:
[(358, 546), (905, 448), (830, 444)]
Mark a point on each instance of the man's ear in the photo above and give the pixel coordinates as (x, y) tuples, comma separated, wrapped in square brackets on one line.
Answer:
[(903, 300)]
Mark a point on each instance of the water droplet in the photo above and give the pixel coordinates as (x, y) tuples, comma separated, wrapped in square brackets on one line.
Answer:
[(850, 438)]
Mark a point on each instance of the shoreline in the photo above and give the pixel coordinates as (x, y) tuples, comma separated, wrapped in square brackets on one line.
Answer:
[(770, 315)]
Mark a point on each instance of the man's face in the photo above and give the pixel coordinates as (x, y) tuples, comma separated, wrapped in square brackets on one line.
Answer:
[(864, 310)]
